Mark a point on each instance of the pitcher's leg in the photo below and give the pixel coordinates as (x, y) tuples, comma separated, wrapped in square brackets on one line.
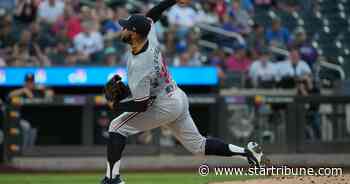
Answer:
[(187, 133), (116, 144), (129, 124)]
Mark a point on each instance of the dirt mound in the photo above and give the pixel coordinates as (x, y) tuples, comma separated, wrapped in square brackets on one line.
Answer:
[(344, 179)]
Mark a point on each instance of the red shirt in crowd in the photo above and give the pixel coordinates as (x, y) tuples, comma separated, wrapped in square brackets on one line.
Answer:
[(235, 64), (72, 25)]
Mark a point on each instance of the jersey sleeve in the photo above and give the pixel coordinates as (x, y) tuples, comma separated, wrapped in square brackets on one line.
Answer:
[(152, 35)]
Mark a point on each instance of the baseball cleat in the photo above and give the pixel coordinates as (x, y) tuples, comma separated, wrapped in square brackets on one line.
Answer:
[(116, 180), (254, 154)]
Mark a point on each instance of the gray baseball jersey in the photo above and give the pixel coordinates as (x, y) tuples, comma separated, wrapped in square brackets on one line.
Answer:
[(148, 76), (147, 72)]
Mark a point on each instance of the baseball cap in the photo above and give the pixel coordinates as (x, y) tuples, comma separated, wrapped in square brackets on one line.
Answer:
[(137, 23), (29, 77)]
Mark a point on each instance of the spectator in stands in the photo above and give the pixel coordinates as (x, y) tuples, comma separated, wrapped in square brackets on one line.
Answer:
[(182, 60), (277, 35), (240, 16), (75, 4), (86, 14), (256, 39), (50, 10), (41, 37), (301, 73), (31, 90), (69, 23), (88, 42), (183, 17), (263, 72), (71, 58), (110, 57), (229, 24), (22, 50), (112, 25), (26, 11), (28, 53), (206, 15), (238, 61), (194, 55), (307, 52), (170, 44), (217, 59), (189, 57), (58, 51), (297, 72), (7, 37), (101, 10), (220, 8)]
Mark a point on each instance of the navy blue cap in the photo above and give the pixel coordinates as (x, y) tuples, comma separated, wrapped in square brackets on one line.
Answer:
[(137, 23)]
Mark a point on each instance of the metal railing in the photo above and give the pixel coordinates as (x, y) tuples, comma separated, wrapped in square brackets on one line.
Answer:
[(240, 39), (223, 32)]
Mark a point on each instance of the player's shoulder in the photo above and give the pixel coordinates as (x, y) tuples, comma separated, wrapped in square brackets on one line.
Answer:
[(143, 60)]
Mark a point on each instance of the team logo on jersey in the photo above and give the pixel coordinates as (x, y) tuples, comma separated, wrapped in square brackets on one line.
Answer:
[(78, 77)]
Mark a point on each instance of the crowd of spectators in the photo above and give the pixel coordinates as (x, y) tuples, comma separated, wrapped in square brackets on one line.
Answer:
[(84, 32)]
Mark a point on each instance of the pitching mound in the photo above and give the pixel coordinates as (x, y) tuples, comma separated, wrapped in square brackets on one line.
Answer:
[(345, 179)]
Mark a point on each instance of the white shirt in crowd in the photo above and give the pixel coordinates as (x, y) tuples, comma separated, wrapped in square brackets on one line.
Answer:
[(88, 43), (50, 13), (264, 72), (184, 16), (286, 69), (207, 17)]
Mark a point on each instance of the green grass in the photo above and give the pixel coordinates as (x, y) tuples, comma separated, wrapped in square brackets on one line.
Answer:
[(130, 178)]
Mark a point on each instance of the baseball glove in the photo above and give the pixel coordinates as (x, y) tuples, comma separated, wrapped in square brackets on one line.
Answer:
[(115, 90)]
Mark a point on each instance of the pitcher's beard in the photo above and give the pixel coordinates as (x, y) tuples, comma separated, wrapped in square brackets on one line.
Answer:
[(126, 39)]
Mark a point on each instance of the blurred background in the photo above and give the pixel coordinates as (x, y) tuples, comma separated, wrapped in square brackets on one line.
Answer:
[(266, 70)]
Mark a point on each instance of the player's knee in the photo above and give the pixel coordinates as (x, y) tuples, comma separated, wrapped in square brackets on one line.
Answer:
[(121, 131), (197, 151), (113, 126)]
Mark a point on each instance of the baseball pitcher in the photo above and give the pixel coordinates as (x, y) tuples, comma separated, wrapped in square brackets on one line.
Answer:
[(155, 100)]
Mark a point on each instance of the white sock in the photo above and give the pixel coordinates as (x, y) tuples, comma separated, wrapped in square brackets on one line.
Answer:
[(236, 149), (115, 170)]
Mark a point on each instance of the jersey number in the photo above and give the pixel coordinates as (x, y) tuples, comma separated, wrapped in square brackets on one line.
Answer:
[(164, 72)]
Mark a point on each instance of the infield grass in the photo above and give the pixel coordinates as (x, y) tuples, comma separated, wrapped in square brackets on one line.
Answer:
[(130, 178)]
